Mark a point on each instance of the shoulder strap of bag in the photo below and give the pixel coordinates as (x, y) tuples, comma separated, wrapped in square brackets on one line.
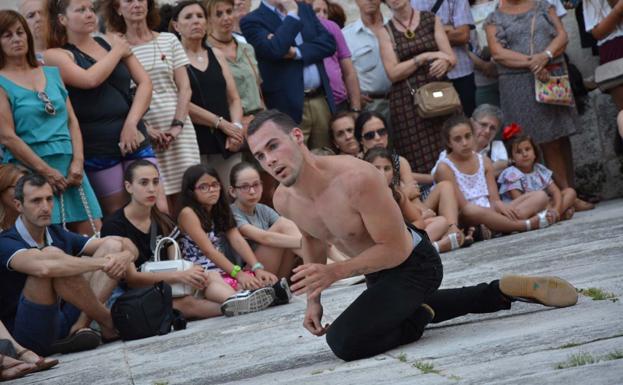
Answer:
[(257, 77), (153, 234), (436, 6), (393, 39)]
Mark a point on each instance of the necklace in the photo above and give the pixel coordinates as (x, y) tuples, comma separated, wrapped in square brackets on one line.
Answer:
[(222, 41), (409, 34)]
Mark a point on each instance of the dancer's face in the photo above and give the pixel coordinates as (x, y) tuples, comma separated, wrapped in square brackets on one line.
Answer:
[(524, 155), (373, 134), (191, 22), (277, 152), (248, 188), (343, 130), (384, 166), (144, 186)]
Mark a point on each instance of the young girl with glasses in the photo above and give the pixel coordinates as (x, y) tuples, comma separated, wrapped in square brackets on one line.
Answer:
[(273, 238), (142, 223), (472, 177), (210, 233), (38, 127)]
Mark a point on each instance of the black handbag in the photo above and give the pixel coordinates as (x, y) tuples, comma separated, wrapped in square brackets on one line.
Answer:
[(146, 312)]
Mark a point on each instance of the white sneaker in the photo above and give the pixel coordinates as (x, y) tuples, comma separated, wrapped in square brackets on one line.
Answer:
[(248, 301)]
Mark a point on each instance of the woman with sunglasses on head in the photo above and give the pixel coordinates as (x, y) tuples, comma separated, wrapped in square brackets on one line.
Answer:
[(38, 126), (274, 239), (101, 69)]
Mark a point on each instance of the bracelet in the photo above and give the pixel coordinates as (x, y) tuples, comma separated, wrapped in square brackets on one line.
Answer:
[(218, 121), (257, 266), (238, 124), (235, 271)]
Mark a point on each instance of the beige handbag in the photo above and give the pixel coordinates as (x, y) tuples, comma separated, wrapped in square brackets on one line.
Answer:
[(436, 99), (177, 264)]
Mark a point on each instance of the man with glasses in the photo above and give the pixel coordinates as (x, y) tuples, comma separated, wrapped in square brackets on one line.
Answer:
[(345, 201)]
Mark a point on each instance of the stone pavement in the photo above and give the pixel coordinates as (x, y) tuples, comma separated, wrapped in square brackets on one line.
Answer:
[(521, 346)]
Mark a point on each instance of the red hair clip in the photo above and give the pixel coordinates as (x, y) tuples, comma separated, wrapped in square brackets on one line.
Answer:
[(511, 131)]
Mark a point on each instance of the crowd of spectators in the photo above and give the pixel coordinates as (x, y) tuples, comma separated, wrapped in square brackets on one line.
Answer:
[(123, 121)]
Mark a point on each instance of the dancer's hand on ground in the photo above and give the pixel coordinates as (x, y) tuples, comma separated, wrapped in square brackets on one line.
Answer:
[(312, 278), (313, 319), (266, 277), (248, 282)]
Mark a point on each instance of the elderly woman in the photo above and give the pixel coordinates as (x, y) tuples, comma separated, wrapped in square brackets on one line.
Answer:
[(240, 56), (38, 126), (164, 59), (36, 17), (415, 51), (522, 55), (215, 105)]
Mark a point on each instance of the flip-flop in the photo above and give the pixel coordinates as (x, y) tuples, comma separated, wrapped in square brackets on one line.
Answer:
[(42, 363), (83, 339), (18, 374)]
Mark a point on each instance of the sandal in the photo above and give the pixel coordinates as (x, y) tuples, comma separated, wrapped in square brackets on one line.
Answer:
[(456, 240), (482, 233), (12, 371), (469, 237), (42, 363), (568, 214)]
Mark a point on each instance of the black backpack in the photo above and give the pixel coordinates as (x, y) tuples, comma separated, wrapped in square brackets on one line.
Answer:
[(146, 312)]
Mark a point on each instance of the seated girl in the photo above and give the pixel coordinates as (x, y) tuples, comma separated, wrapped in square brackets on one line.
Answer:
[(445, 236), (274, 239), (528, 175), (142, 222), (476, 190), (209, 229)]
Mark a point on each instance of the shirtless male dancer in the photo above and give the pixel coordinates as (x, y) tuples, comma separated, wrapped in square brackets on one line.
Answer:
[(345, 201)]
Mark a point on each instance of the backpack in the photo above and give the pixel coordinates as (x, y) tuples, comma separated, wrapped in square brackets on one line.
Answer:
[(145, 312)]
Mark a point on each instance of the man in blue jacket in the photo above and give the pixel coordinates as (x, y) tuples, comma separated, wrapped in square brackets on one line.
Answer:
[(290, 44)]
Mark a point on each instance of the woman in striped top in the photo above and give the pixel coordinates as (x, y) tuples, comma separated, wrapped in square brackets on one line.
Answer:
[(164, 59)]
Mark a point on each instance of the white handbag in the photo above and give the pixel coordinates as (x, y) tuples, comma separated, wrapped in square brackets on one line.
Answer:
[(177, 264)]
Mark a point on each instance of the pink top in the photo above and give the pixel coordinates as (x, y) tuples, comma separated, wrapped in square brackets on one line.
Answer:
[(473, 186), (332, 63)]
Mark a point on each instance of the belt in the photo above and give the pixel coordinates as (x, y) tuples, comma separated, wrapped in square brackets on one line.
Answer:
[(373, 95), (312, 93)]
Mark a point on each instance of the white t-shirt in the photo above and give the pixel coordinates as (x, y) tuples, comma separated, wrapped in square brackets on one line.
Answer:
[(498, 152), (594, 12)]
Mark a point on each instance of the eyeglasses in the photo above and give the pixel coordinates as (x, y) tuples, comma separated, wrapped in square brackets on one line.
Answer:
[(207, 187), (247, 187), (381, 132), (47, 103)]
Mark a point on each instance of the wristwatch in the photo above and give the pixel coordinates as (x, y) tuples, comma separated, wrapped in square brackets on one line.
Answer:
[(177, 122), (549, 54), (238, 124)]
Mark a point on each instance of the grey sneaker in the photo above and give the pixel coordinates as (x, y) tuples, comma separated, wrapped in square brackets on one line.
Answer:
[(248, 301)]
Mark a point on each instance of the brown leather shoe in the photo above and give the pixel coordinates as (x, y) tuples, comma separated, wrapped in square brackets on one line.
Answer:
[(548, 291)]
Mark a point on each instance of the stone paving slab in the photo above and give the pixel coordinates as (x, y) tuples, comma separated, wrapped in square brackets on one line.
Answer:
[(523, 345)]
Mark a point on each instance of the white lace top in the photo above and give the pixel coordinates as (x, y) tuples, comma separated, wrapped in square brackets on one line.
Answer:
[(474, 186)]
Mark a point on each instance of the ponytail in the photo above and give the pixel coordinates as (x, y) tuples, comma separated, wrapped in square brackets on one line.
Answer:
[(57, 34)]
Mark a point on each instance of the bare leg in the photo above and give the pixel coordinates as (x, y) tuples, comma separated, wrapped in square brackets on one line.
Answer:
[(475, 215), (277, 260), (443, 200), (558, 157), (568, 199), (217, 290), (617, 97), (84, 227), (530, 203), (436, 227), (196, 308)]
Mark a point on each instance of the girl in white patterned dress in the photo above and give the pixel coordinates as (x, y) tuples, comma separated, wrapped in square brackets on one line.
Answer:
[(164, 59), (476, 190), (528, 175)]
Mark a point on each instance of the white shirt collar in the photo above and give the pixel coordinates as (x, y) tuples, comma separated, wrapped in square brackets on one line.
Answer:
[(25, 234)]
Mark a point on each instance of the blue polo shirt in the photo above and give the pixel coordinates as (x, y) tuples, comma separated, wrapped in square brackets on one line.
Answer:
[(17, 239)]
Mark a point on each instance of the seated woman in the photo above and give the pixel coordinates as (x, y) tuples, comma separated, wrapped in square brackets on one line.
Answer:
[(209, 231), (17, 361), (528, 175), (142, 222), (273, 238), (439, 231), (9, 174), (472, 177), (342, 133)]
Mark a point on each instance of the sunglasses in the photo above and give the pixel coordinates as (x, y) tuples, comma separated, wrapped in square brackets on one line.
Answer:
[(47, 103), (381, 132)]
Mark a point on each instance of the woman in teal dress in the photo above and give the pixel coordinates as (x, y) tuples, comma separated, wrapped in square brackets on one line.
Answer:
[(38, 127)]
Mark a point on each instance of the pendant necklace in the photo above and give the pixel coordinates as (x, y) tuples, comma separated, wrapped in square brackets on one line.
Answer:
[(409, 34)]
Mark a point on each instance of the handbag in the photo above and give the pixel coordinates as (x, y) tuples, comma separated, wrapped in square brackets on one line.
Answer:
[(146, 312), (609, 75), (177, 264), (557, 89)]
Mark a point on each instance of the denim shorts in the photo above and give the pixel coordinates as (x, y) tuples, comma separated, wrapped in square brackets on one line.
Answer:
[(37, 326)]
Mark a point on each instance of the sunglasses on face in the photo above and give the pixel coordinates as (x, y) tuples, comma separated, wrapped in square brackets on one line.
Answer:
[(381, 132), (207, 187), (47, 103)]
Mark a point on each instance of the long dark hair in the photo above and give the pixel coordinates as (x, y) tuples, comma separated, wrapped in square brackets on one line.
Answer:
[(162, 220), (449, 124), (175, 13), (220, 217), (57, 35), (363, 118), (8, 18), (384, 153)]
